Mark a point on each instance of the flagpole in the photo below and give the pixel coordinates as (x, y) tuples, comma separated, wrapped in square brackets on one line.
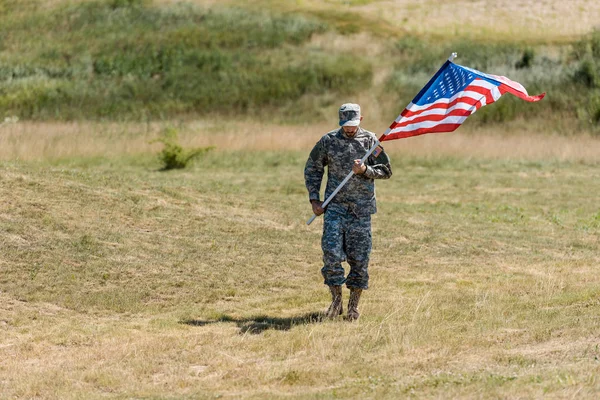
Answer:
[(346, 179)]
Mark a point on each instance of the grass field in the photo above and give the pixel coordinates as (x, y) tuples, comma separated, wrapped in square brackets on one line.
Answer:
[(121, 281)]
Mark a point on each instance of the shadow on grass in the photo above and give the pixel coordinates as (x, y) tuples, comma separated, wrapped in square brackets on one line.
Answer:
[(259, 324)]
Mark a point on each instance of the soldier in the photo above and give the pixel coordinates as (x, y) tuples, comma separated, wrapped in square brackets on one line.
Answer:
[(347, 220)]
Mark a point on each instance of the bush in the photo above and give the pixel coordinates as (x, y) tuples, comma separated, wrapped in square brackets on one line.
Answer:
[(173, 156), (587, 53), (588, 74), (592, 111), (526, 60), (589, 46)]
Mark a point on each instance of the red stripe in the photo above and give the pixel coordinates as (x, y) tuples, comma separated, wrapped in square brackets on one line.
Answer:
[(467, 100), (489, 98), (421, 131), (463, 99), (436, 128), (435, 117), (504, 88), (478, 89)]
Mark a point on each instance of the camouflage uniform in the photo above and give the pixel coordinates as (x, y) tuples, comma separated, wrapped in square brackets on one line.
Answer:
[(347, 220)]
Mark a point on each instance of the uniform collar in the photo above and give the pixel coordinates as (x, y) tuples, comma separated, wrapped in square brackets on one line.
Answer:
[(358, 133)]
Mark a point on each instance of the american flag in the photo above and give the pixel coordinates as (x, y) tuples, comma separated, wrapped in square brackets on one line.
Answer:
[(454, 93)]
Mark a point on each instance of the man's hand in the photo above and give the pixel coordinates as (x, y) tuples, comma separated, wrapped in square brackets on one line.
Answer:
[(359, 168), (317, 207)]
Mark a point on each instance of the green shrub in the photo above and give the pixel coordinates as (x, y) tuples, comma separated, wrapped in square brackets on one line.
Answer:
[(588, 73), (588, 46), (591, 111), (587, 52), (526, 60), (173, 155)]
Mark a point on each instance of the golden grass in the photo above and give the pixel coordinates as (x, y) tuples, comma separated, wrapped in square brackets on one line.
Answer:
[(527, 21), (49, 141), (547, 20), (120, 281)]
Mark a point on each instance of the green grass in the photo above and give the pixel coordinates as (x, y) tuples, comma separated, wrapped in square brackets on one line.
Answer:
[(131, 60), (148, 61), (205, 282)]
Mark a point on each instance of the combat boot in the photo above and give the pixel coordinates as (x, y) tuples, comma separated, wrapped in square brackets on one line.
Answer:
[(353, 313), (336, 307)]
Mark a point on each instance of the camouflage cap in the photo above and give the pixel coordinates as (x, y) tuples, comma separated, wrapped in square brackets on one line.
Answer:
[(349, 114)]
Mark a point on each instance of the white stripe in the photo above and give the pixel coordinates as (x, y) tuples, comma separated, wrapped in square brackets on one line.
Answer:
[(458, 106), (484, 84), (439, 111), (496, 93), (428, 124), (500, 79), (508, 82), (442, 111)]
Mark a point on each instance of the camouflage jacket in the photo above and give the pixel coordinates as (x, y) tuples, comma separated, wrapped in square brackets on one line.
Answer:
[(338, 152)]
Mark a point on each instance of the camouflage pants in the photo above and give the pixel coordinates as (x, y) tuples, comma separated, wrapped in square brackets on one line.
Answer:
[(346, 237)]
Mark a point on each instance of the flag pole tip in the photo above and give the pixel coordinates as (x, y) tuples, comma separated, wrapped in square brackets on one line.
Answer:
[(452, 57)]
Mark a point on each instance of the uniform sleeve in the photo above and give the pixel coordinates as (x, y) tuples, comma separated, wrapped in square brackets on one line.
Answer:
[(378, 167), (314, 169)]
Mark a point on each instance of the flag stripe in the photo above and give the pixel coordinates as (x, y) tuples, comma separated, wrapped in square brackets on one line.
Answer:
[(437, 120), (463, 102), (421, 131), (435, 117), (508, 89)]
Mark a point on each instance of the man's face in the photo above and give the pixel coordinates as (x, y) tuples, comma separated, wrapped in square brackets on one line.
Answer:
[(350, 130)]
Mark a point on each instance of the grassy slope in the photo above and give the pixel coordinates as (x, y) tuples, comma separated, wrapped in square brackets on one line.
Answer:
[(204, 282)]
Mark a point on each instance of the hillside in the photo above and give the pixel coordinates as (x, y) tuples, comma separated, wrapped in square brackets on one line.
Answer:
[(150, 61)]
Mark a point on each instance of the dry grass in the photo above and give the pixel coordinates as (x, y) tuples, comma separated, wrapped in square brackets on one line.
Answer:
[(29, 141), (522, 20), (525, 20), (123, 282), (547, 20)]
